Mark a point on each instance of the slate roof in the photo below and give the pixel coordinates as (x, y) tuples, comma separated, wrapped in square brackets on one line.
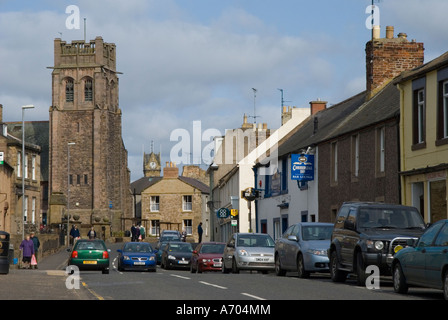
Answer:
[(143, 183), (347, 116)]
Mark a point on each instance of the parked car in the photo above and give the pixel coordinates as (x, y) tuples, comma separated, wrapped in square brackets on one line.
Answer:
[(207, 257), (249, 251), (137, 256), (90, 255), (170, 232), (303, 248), (423, 263), (163, 241), (176, 254), (366, 233)]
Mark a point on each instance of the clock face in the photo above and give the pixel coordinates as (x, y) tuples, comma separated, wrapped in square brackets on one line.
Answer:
[(153, 165)]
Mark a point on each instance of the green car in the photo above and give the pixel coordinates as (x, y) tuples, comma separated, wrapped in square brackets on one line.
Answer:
[(90, 255), (424, 263)]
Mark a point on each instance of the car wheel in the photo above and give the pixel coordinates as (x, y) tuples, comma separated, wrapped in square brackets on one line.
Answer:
[(445, 286), (400, 285), (336, 274), (234, 266), (278, 267), (301, 267), (360, 270)]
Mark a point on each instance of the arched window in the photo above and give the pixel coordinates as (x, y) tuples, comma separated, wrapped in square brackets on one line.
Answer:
[(69, 90), (88, 90)]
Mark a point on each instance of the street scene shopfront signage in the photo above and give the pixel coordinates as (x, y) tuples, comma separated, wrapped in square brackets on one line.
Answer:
[(302, 167)]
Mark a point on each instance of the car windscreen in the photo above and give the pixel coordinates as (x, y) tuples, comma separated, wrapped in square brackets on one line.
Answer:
[(213, 248), (169, 238), (180, 247), (90, 245), (255, 241), (316, 232), (138, 247), (400, 218)]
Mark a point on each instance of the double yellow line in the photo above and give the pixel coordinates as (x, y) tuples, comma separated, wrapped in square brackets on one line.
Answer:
[(92, 292)]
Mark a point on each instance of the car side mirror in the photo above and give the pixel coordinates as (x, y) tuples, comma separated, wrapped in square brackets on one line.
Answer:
[(119, 250), (293, 238)]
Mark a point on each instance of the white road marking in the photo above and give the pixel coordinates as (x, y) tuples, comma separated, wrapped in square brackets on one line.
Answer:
[(212, 285), (182, 277), (252, 296)]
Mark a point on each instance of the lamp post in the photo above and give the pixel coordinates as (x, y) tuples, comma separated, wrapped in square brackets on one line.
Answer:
[(23, 167), (68, 191)]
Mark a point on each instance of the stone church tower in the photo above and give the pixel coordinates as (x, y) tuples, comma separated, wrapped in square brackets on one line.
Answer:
[(85, 129)]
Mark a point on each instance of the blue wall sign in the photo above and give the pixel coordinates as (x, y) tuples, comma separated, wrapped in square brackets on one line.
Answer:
[(302, 167), (223, 213)]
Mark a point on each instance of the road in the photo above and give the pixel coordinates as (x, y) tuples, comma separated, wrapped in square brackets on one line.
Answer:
[(183, 285)]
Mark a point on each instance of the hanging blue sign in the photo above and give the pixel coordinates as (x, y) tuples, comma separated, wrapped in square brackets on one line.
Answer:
[(223, 213), (302, 167)]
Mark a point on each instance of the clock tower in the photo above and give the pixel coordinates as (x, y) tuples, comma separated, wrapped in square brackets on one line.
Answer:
[(151, 165)]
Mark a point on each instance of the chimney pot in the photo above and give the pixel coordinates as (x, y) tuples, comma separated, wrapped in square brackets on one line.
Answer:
[(376, 32), (389, 32)]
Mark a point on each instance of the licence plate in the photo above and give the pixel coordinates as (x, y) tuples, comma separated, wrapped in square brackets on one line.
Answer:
[(262, 259), (217, 265), (183, 262), (139, 263), (89, 262)]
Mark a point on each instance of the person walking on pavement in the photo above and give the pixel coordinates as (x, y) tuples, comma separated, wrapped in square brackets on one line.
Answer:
[(92, 233), (36, 244), (27, 247), (200, 231), (133, 232), (74, 233), (142, 232)]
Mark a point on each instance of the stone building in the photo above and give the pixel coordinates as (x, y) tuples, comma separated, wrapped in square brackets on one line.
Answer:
[(87, 157), (15, 218), (174, 202)]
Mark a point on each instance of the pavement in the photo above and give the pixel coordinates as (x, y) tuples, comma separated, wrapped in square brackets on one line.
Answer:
[(48, 282)]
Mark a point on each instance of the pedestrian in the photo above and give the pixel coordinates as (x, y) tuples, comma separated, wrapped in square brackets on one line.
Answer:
[(183, 236), (133, 232), (36, 244), (74, 233), (92, 233), (137, 233), (142, 232), (27, 247), (200, 231)]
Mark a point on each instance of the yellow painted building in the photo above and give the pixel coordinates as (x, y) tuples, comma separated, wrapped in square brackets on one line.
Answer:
[(424, 138)]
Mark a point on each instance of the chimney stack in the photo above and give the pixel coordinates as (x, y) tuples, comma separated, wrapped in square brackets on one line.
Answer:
[(317, 106), (170, 171), (387, 57)]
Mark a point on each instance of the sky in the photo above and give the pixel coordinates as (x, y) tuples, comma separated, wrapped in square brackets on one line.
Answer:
[(194, 63)]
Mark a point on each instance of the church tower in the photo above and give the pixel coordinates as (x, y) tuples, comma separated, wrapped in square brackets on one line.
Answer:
[(88, 159)]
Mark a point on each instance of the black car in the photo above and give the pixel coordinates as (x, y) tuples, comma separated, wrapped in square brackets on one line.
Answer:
[(366, 233), (177, 254)]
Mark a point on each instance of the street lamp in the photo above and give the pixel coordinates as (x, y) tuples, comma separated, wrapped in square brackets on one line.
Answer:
[(23, 167), (68, 191)]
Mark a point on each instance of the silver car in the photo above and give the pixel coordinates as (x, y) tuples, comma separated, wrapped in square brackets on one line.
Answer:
[(303, 248), (249, 251)]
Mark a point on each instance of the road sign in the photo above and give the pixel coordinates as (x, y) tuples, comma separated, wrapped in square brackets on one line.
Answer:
[(223, 213), (234, 212)]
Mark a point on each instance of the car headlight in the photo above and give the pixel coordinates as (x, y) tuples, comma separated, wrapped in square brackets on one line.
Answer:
[(318, 252), (206, 260), (152, 258), (378, 245), (126, 258), (171, 257), (243, 252)]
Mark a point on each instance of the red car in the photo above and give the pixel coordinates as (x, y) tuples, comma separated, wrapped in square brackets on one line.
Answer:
[(207, 257)]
